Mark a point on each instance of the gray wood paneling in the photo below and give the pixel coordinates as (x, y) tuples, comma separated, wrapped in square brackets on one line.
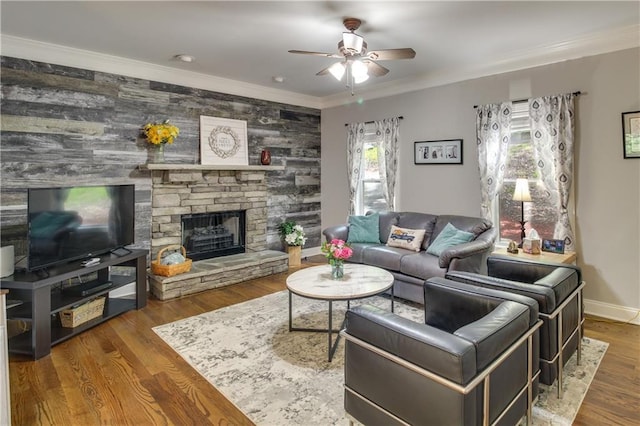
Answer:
[(67, 126)]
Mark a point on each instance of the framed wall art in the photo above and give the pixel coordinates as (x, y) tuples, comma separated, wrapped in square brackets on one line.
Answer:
[(223, 141), (631, 134), (438, 152)]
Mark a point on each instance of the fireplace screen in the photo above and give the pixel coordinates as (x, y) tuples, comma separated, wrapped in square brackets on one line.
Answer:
[(208, 235)]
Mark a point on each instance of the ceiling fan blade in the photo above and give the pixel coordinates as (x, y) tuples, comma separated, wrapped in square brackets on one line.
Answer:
[(391, 54), (325, 55), (324, 71), (376, 70)]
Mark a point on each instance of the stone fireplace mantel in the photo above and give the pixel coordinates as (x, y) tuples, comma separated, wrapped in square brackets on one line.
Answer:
[(177, 166), (187, 189)]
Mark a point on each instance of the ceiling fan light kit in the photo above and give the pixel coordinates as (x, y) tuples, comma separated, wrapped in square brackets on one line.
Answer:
[(337, 70), (356, 62), (352, 42)]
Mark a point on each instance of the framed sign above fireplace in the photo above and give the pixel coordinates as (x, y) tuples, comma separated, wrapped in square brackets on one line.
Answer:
[(223, 141)]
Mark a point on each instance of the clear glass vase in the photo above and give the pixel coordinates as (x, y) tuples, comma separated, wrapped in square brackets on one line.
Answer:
[(156, 154), (337, 270)]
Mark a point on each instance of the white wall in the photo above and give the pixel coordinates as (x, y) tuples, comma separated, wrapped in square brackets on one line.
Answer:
[(607, 187)]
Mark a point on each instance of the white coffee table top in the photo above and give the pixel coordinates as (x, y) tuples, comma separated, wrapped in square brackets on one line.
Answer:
[(358, 281)]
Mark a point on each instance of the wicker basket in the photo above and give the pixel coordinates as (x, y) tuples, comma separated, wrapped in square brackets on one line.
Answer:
[(73, 317), (158, 268)]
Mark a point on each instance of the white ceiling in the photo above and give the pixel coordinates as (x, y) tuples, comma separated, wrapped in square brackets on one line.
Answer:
[(248, 41)]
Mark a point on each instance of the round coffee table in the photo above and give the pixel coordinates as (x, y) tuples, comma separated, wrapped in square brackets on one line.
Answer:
[(359, 282)]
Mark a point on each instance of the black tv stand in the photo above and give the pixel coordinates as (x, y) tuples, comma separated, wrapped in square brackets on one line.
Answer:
[(43, 300)]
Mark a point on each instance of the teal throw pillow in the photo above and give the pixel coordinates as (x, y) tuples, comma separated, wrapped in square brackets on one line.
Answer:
[(449, 237), (364, 229)]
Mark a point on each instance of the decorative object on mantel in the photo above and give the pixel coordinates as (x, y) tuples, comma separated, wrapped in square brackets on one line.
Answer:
[(265, 157), (171, 264), (521, 193), (337, 251), (294, 238), (223, 141), (158, 135)]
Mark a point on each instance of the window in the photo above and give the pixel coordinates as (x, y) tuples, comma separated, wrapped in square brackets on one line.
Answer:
[(541, 213), (370, 195)]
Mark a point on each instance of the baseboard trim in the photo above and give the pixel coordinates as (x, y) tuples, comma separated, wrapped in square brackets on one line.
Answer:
[(611, 311), (312, 251)]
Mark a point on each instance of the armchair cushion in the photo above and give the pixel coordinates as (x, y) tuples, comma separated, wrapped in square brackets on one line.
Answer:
[(364, 229)]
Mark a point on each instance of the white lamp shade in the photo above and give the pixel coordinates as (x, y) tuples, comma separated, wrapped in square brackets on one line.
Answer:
[(352, 42), (359, 71), (521, 193), (337, 70), (360, 79)]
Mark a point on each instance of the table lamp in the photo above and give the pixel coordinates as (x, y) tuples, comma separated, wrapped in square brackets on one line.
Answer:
[(521, 193)]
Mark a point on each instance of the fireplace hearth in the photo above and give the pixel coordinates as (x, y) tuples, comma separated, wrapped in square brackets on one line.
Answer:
[(209, 235)]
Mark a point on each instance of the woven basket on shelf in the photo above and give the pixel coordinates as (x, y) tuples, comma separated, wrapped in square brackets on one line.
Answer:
[(157, 268), (70, 318)]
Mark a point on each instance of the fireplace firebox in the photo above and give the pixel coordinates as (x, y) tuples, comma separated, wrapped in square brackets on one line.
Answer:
[(209, 235)]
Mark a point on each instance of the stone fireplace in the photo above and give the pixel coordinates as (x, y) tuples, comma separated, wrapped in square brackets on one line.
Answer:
[(228, 205)]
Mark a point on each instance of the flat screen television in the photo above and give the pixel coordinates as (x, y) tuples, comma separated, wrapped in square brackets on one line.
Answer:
[(77, 222)]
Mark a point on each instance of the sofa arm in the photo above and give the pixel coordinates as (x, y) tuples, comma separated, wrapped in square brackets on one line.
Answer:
[(435, 350), (461, 251), (340, 232)]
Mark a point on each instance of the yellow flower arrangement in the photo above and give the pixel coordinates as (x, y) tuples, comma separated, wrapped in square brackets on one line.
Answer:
[(160, 133)]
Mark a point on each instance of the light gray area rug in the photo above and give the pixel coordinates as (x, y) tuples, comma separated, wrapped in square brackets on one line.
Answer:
[(280, 378)]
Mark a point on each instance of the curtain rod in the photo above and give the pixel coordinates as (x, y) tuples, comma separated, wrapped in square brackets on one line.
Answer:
[(519, 101), (369, 122)]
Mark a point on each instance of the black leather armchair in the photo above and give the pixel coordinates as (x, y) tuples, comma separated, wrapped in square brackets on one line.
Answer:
[(474, 361), (557, 287)]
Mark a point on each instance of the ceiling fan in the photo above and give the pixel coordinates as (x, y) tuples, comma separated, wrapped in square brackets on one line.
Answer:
[(356, 62)]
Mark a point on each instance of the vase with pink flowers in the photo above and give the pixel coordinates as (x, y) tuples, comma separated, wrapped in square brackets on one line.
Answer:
[(337, 251)]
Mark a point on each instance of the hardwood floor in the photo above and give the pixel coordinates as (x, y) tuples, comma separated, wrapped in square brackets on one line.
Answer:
[(121, 373)]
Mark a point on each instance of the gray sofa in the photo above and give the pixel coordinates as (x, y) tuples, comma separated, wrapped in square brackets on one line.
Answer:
[(410, 268)]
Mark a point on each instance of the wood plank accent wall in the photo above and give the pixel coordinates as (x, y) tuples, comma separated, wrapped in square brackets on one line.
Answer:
[(66, 126)]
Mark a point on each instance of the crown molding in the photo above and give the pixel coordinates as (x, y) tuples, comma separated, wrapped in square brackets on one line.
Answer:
[(579, 47), (589, 45), (22, 48)]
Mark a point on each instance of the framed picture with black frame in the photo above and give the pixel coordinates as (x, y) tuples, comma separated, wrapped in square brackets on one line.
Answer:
[(448, 151), (631, 134), (553, 246)]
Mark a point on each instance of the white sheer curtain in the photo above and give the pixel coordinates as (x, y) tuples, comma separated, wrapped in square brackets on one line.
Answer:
[(552, 135), (387, 134), (493, 132), (355, 142)]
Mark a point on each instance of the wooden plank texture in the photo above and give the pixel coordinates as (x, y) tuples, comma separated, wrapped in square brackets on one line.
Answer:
[(62, 125), (121, 372)]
